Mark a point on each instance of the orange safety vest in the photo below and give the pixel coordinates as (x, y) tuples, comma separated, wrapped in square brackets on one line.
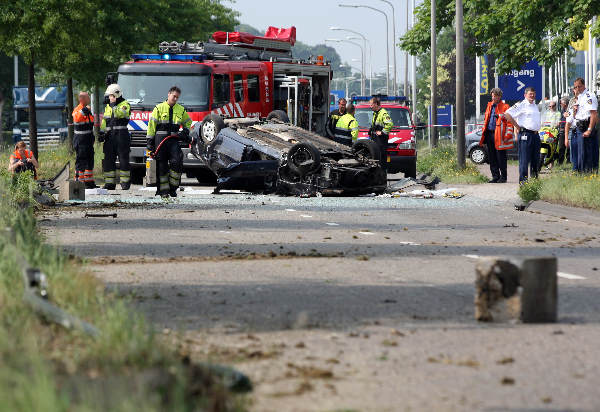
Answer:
[(84, 125), (504, 134), (17, 155)]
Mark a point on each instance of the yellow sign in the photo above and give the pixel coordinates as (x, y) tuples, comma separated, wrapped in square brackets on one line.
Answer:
[(582, 45)]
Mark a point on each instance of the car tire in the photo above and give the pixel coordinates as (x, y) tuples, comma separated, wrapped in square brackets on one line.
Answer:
[(366, 148), (478, 155), (211, 126), (303, 158), (279, 115)]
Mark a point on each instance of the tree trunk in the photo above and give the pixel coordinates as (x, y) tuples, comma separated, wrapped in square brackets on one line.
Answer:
[(70, 127), (33, 143)]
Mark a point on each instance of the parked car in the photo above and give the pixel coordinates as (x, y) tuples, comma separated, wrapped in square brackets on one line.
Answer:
[(478, 154)]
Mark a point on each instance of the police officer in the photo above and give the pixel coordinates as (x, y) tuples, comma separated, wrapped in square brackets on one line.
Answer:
[(346, 128), (335, 116), (585, 117), (380, 128), (526, 116), (562, 148), (116, 138), (83, 141), (167, 117)]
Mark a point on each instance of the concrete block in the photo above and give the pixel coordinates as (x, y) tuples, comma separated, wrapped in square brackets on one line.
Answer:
[(71, 190), (516, 289)]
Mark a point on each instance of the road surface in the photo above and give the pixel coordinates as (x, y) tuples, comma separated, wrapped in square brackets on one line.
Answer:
[(362, 304)]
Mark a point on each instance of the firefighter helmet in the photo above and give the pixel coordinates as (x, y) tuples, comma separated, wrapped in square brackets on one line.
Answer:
[(114, 89)]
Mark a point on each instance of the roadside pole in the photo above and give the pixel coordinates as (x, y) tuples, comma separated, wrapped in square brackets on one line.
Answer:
[(460, 86), (70, 127), (434, 137)]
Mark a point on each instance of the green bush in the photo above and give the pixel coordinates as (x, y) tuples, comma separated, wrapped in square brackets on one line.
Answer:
[(530, 190)]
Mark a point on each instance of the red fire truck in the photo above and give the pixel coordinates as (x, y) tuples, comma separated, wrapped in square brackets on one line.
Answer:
[(402, 144), (220, 80)]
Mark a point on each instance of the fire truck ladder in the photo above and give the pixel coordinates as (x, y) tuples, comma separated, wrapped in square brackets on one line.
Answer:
[(261, 49)]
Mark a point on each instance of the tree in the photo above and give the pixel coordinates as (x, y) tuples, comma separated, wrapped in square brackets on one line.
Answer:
[(513, 31), (29, 29)]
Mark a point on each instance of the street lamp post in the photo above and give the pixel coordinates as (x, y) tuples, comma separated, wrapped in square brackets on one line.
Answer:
[(362, 78), (365, 41), (393, 44), (365, 64), (387, 38)]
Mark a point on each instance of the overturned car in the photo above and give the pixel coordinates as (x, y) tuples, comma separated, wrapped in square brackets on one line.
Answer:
[(273, 156)]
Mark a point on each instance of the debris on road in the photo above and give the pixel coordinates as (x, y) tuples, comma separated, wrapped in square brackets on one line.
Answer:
[(113, 215)]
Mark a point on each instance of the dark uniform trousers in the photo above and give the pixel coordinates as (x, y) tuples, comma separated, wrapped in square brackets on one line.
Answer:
[(382, 142), (529, 154), (496, 157), (84, 150), (117, 144), (587, 153)]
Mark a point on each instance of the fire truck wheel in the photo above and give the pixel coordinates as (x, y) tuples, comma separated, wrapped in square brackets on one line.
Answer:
[(303, 158), (366, 148), (211, 126), (279, 115)]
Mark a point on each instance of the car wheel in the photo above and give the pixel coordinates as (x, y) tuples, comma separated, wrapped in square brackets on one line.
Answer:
[(279, 115), (303, 158), (211, 126), (366, 148), (478, 155)]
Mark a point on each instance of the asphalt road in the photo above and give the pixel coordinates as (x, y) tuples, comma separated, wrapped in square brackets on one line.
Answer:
[(352, 303)]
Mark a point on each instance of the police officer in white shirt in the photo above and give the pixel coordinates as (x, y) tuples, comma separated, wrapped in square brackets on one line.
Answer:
[(585, 117), (526, 116)]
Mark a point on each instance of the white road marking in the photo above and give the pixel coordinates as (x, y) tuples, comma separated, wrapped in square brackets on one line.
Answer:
[(224, 231), (569, 276), (472, 256), (331, 224), (305, 216), (410, 243), (366, 233), (290, 210)]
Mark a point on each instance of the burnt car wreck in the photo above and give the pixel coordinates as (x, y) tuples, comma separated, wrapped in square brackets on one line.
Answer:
[(275, 157)]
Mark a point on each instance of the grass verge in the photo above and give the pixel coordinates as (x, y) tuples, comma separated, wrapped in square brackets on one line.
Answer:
[(564, 187), (442, 162), (46, 367)]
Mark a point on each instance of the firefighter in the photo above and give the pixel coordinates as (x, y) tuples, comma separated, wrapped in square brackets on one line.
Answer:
[(83, 141), (162, 140), (116, 138), (346, 128), (335, 116), (380, 128), (22, 160)]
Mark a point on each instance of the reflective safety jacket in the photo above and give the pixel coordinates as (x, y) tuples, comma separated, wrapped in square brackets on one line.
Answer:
[(382, 121), (504, 132), (166, 120), (84, 124), (346, 130), (332, 121), (116, 119), (16, 156)]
